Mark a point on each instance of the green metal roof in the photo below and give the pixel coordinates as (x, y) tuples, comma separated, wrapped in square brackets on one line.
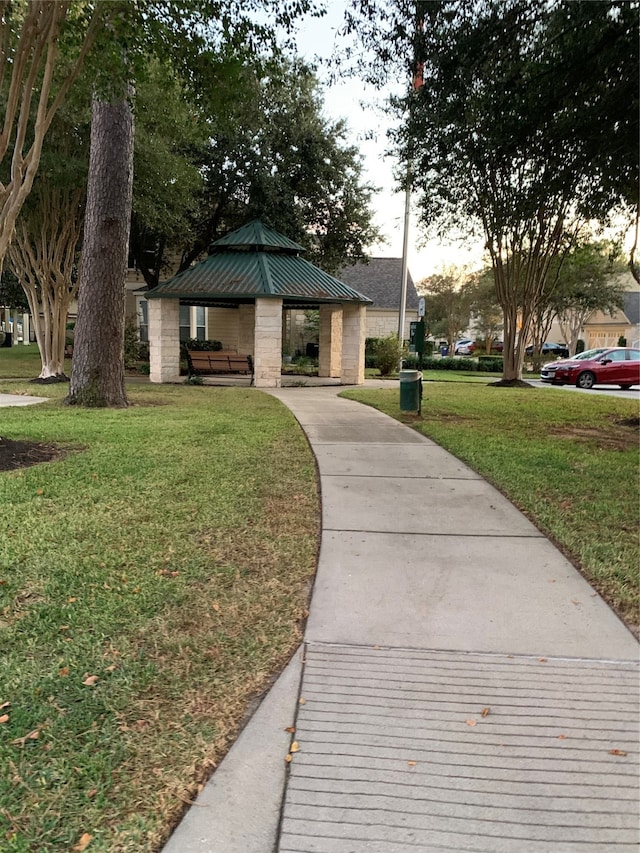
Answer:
[(253, 236), (238, 270)]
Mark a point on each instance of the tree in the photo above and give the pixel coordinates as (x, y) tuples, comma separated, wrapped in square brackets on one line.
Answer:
[(588, 281), (46, 269), (33, 84), (44, 252), (190, 31), (104, 259), (485, 308), (448, 303), (270, 154), (517, 132)]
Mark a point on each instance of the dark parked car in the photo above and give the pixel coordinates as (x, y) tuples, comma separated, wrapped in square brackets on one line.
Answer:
[(559, 350), (614, 366)]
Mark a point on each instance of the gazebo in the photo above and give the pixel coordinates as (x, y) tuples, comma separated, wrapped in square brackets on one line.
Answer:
[(259, 272)]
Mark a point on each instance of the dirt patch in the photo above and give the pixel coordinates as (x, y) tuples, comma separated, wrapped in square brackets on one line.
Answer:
[(23, 454), (620, 435)]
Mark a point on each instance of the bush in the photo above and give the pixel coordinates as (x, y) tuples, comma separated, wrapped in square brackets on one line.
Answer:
[(388, 352), (448, 363), (622, 341), (131, 342), (490, 364), (200, 346), (580, 346)]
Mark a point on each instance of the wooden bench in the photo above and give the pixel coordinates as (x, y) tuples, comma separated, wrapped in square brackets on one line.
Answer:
[(206, 362)]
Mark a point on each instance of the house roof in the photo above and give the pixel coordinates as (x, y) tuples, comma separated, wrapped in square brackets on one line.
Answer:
[(256, 261), (381, 280)]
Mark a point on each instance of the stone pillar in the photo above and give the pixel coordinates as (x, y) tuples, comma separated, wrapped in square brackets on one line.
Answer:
[(246, 326), (164, 340), (268, 343), (330, 354), (26, 328), (354, 319)]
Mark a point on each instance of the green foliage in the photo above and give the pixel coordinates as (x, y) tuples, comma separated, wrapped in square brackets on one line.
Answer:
[(622, 341), (580, 346), (387, 352), (490, 364), (11, 293), (450, 363), (200, 346)]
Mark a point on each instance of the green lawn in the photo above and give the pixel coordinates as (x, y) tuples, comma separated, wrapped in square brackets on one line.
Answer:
[(20, 362), (151, 581), (569, 461)]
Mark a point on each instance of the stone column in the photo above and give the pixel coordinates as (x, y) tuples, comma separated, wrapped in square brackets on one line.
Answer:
[(354, 319), (26, 319), (164, 340), (330, 354), (246, 326), (268, 343)]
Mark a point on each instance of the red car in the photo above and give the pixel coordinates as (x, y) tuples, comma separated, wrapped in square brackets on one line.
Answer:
[(615, 366)]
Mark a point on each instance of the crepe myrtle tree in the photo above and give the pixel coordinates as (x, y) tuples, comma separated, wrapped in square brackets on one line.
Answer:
[(43, 45), (526, 126)]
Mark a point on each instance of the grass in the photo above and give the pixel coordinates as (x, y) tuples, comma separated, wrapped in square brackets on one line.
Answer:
[(151, 582), (20, 362), (569, 461)]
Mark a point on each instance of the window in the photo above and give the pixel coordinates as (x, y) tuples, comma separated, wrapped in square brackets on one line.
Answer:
[(185, 322), (143, 320), (201, 331)]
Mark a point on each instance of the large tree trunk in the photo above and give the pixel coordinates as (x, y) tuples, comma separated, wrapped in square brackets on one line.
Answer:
[(97, 373)]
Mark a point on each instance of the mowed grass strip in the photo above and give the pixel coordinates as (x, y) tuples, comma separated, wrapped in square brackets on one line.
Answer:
[(569, 461), (22, 361), (151, 581)]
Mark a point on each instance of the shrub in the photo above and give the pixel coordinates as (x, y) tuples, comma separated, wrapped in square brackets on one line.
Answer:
[(447, 363), (490, 363), (580, 346), (131, 342), (622, 341), (200, 346), (388, 352)]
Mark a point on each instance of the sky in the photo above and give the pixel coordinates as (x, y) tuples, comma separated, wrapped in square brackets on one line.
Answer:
[(317, 38)]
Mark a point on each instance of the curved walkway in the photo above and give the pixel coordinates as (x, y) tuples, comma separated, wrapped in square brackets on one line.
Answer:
[(461, 687)]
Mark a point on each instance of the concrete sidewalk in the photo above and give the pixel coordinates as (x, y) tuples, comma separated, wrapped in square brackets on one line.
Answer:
[(461, 687)]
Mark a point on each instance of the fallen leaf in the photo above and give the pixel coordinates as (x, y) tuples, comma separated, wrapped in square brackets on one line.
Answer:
[(552, 580), (21, 741), (302, 701), (112, 668), (288, 759), (412, 763), (5, 705), (562, 737), (63, 628), (216, 606), (63, 672), (617, 752), (90, 680), (71, 600), (471, 723), (85, 840), (4, 718), (290, 729), (91, 794), (294, 746), (40, 492), (485, 712), (542, 660)]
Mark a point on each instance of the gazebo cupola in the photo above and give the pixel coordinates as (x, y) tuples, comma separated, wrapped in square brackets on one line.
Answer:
[(259, 272)]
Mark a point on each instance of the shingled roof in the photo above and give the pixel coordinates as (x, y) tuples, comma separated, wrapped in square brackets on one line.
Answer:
[(381, 280)]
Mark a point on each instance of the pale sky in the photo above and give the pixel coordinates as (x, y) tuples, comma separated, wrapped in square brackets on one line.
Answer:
[(344, 100)]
